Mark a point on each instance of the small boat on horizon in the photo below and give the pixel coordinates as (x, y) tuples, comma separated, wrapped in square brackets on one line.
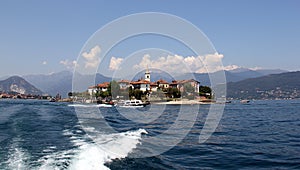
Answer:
[(228, 101), (53, 100), (245, 101)]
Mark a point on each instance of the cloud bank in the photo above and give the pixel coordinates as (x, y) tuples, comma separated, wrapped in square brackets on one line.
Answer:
[(174, 64), (178, 63)]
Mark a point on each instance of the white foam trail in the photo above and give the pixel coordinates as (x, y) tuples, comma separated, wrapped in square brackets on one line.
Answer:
[(89, 105), (105, 149), (93, 155), (17, 156), (55, 160)]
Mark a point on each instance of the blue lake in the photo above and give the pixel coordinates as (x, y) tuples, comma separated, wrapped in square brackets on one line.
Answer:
[(42, 135)]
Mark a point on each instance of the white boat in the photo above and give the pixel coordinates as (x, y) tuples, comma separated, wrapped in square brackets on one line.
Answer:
[(245, 101), (133, 103)]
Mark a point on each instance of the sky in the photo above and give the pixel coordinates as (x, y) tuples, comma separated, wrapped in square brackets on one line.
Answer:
[(42, 37)]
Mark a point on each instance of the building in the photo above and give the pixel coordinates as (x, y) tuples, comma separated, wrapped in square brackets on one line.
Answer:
[(147, 75), (194, 83), (173, 84), (162, 84), (124, 84), (99, 87), (146, 85), (153, 86), (142, 85)]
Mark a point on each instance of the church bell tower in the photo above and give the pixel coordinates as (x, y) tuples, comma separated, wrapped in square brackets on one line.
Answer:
[(147, 75)]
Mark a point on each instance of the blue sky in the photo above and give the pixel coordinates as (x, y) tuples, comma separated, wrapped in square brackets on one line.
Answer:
[(40, 37)]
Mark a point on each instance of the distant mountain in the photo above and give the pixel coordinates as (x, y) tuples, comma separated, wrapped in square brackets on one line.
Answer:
[(155, 75), (232, 75), (19, 85), (4, 77), (283, 85), (271, 71), (61, 82), (52, 84)]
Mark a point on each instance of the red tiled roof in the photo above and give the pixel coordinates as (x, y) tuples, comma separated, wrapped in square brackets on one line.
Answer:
[(187, 81), (103, 85), (124, 81), (161, 81), (140, 82), (92, 87), (153, 84)]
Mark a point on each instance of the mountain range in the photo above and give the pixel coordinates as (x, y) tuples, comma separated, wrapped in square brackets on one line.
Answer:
[(241, 83), (273, 86), (18, 85), (231, 75), (61, 82)]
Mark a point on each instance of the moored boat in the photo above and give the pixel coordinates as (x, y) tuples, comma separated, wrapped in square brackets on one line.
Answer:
[(133, 103)]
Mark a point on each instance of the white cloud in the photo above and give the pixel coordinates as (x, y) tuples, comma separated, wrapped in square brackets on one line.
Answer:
[(91, 57), (231, 67), (69, 64), (44, 62), (180, 64), (115, 63)]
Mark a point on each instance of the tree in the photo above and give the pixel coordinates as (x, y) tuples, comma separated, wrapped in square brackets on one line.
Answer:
[(70, 94), (104, 94), (205, 91), (173, 93), (188, 89), (113, 89)]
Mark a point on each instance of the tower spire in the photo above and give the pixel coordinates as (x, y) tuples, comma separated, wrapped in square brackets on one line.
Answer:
[(147, 74)]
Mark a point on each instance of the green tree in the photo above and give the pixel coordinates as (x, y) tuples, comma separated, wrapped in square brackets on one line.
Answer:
[(104, 94), (188, 89), (173, 93), (70, 94), (138, 94), (205, 91), (113, 89)]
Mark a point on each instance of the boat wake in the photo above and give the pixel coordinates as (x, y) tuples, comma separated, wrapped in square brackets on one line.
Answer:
[(105, 148), (90, 105), (85, 153), (17, 156)]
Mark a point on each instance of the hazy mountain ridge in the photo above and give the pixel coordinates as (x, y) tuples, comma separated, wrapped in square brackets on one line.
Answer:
[(61, 82), (19, 85), (232, 75), (283, 85)]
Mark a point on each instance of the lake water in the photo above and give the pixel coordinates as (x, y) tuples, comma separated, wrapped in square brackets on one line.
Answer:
[(42, 135)]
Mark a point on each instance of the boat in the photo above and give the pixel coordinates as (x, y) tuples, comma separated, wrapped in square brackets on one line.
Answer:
[(52, 99), (133, 103), (245, 101)]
